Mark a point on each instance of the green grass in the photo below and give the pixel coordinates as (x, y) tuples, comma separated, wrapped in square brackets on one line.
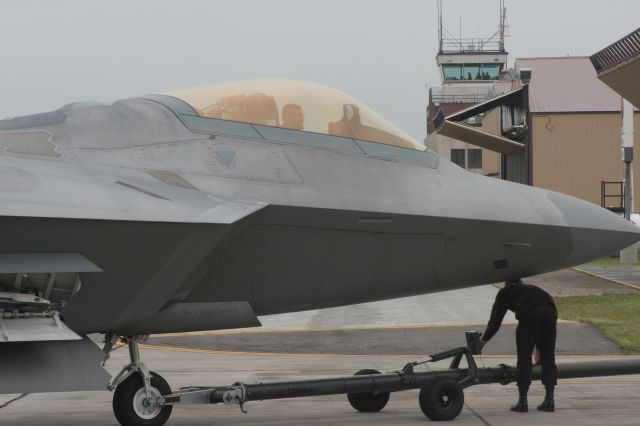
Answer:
[(617, 315), (607, 260)]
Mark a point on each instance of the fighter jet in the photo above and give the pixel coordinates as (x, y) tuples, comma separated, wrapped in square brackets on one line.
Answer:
[(203, 209)]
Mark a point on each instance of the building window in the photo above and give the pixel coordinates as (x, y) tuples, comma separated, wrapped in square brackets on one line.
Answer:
[(475, 159), (457, 156)]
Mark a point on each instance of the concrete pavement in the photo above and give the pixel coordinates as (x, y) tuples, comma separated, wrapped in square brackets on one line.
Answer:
[(340, 341), (597, 401)]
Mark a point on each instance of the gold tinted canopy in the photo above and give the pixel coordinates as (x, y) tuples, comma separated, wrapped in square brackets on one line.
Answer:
[(295, 105)]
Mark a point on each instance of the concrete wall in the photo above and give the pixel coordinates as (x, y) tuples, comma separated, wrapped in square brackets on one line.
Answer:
[(572, 153)]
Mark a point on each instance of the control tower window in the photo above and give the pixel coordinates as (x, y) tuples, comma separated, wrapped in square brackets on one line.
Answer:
[(471, 72), (490, 71), (452, 72)]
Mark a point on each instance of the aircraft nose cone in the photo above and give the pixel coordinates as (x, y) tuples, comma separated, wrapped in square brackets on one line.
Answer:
[(595, 231)]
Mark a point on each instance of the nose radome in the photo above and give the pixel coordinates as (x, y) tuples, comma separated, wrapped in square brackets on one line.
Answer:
[(583, 214), (596, 231)]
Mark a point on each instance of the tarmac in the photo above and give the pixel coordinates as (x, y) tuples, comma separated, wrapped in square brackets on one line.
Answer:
[(338, 342)]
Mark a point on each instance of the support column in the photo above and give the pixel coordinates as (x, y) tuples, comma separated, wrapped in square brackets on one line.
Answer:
[(629, 254)]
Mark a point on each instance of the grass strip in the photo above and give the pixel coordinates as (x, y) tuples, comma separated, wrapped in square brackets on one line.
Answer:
[(616, 315), (608, 260)]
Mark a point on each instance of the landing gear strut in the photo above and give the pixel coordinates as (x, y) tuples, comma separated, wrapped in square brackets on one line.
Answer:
[(138, 391)]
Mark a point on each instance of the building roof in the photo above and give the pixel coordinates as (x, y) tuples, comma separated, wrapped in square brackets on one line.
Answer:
[(567, 84)]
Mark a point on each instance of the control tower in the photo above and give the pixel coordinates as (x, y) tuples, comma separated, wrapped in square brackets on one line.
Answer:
[(469, 70)]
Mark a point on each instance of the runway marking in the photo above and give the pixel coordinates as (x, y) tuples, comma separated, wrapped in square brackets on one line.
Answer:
[(568, 382), (13, 400), (599, 382), (590, 382), (214, 352), (315, 330), (486, 423), (248, 353), (593, 274)]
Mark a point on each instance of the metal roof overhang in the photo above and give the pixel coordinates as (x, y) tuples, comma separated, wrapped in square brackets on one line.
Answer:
[(479, 138), (447, 126), (486, 105), (618, 66), (625, 80)]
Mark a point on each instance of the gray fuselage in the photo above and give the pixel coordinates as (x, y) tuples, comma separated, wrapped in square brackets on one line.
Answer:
[(188, 213)]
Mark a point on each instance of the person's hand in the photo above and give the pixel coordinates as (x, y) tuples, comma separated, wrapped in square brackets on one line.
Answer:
[(482, 342), (536, 357)]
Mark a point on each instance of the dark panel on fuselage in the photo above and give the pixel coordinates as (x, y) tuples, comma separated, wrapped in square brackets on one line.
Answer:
[(297, 258), (294, 267)]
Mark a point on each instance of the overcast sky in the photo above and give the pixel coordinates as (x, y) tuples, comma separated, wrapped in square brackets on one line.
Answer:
[(380, 51)]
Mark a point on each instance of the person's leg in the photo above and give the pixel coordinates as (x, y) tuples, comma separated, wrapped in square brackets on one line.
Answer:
[(526, 337), (547, 346)]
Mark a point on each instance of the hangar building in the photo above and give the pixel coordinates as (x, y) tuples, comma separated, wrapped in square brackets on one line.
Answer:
[(550, 123)]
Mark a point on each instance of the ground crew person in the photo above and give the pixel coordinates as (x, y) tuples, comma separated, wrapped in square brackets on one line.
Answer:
[(537, 317)]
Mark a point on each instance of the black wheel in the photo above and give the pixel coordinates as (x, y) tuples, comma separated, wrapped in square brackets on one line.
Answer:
[(368, 402), (441, 399), (128, 402)]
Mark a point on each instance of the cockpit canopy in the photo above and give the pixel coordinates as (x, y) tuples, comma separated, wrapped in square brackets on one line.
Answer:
[(295, 105)]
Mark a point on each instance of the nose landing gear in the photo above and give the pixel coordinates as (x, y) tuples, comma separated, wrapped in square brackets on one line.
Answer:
[(138, 391), (132, 406)]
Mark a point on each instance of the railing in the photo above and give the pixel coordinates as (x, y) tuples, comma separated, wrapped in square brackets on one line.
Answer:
[(439, 96), (618, 205), (470, 45), (619, 53)]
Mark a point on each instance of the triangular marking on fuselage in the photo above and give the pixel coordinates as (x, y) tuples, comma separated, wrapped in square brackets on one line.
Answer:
[(226, 158)]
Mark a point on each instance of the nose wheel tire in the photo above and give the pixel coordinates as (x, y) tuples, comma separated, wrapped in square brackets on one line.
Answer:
[(130, 406), (441, 399), (368, 402)]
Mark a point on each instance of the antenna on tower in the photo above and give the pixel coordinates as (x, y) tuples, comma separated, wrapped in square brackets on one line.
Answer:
[(448, 42), (440, 25), (503, 23)]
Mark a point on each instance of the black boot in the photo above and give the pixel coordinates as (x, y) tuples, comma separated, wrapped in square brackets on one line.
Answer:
[(521, 406), (548, 404)]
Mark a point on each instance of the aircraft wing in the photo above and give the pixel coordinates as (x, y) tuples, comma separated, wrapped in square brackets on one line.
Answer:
[(47, 188), (101, 216), (42, 353)]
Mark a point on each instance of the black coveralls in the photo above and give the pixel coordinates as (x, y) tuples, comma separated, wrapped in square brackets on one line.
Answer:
[(537, 317)]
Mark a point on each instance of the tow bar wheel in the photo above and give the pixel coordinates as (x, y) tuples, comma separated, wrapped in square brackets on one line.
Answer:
[(441, 399), (368, 402), (130, 407)]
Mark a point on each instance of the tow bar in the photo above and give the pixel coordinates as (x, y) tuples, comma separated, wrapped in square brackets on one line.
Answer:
[(441, 391)]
